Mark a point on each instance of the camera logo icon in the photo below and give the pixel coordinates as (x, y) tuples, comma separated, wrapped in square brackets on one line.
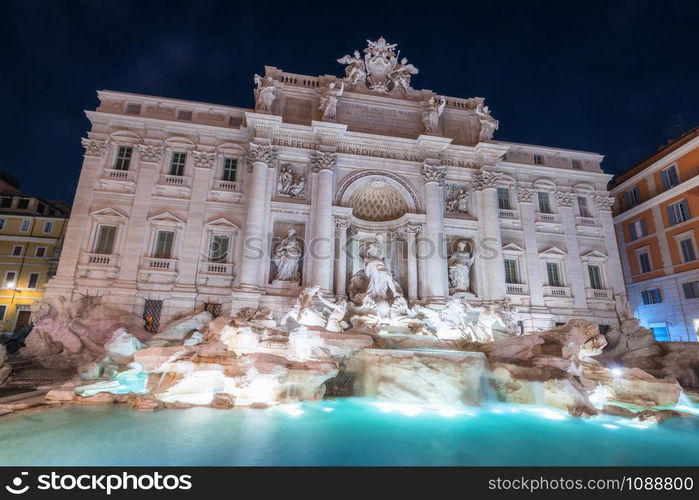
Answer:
[(16, 488)]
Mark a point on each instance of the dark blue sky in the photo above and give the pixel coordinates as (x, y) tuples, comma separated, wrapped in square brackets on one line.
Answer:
[(614, 77)]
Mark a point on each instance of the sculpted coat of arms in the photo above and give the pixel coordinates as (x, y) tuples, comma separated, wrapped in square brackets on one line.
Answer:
[(379, 70)]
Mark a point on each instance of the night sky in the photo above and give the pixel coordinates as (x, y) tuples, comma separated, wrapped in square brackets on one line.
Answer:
[(619, 78)]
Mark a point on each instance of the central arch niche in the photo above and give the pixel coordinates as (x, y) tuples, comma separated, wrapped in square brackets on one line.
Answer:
[(377, 201)]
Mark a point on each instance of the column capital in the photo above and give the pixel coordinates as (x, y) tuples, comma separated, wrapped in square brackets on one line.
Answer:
[(525, 194), (203, 159), (603, 202), (486, 180), (433, 172), (262, 154), (150, 153), (565, 199), (94, 147), (323, 161), (342, 221)]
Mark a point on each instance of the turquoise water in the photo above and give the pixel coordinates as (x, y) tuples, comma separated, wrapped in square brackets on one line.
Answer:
[(341, 432)]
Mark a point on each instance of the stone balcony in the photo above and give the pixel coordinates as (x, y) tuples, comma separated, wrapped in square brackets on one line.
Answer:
[(98, 265), (222, 185), (600, 294), (119, 175), (157, 264), (507, 214), (557, 291), (118, 180), (517, 289), (157, 270), (174, 180), (547, 218), (215, 274), (586, 221)]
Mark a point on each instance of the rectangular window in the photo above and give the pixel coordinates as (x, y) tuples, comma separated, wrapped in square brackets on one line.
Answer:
[(670, 177), (595, 277), (3, 310), (651, 296), (687, 247), (632, 197), (33, 280), (544, 203), (637, 229), (538, 160), (583, 207), (2, 223), (105, 240), (163, 244), (23, 203), (133, 109), (6, 202), (644, 262), (25, 226), (40, 252), (17, 250), (511, 271), (218, 251), (577, 164), (691, 290), (10, 277), (48, 226), (123, 158), (504, 198), (553, 273), (678, 212), (177, 163), (184, 115), (41, 208), (230, 165)]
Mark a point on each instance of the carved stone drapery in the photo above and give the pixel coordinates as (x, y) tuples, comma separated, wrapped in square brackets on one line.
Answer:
[(150, 153), (434, 172), (565, 199), (486, 180), (203, 159), (94, 147), (603, 202), (525, 194), (264, 154), (323, 161)]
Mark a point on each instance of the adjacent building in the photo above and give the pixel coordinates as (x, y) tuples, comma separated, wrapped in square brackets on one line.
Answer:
[(657, 203), (185, 205), (31, 231)]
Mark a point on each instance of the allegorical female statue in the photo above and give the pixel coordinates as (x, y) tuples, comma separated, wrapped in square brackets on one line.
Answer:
[(287, 256), (431, 113), (328, 101), (460, 264)]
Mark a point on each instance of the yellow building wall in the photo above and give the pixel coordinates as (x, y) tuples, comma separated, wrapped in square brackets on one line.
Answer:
[(19, 296)]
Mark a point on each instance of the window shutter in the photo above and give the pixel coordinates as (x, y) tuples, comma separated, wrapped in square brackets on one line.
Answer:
[(671, 215), (685, 210), (687, 287), (666, 179), (644, 230), (632, 230)]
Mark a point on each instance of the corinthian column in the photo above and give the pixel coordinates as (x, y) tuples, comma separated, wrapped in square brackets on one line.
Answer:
[(341, 223), (411, 231), (433, 250), (490, 244), (323, 164), (260, 158)]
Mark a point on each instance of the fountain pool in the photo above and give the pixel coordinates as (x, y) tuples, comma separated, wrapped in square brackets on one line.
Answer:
[(341, 432)]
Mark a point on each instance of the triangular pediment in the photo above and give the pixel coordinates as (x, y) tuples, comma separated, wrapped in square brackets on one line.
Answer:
[(513, 248), (166, 217), (108, 212), (553, 252), (222, 223), (594, 254)]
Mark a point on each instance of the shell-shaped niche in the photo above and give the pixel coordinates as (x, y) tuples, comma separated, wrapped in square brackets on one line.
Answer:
[(377, 201)]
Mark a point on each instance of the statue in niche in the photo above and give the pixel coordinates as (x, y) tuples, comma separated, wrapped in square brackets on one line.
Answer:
[(402, 74), (265, 93), (431, 113), (287, 256), (289, 184), (457, 200), (460, 263), (286, 179), (488, 124), (373, 290), (328, 101), (355, 71)]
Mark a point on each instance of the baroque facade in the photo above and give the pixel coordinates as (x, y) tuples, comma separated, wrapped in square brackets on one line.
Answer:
[(656, 220), (184, 205)]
